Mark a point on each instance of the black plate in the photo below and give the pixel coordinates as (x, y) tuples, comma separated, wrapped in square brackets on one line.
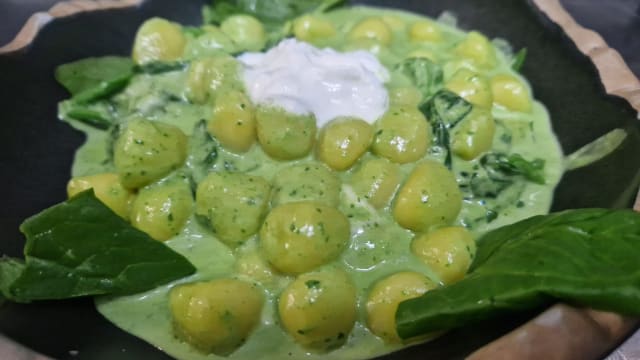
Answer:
[(37, 151)]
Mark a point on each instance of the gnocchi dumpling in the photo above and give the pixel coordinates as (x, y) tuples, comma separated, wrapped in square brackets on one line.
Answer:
[(425, 31), (429, 197), (285, 136), (377, 180), (211, 43), (395, 23), (234, 121), (386, 295), (148, 150), (162, 210), (408, 96), (474, 135), (306, 181), (318, 309), (313, 29), (301, 236), (252, 265), (447, 251), (107, 188), (343, 141), (216, 316), (234, 204), (472, 87), (158, 40), (477, 48), (372, 28), (511, 92), (246, 31), (207, 77), (402, 135)]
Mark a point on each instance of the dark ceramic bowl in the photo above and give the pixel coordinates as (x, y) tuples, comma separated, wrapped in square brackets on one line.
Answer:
[(37, 151)]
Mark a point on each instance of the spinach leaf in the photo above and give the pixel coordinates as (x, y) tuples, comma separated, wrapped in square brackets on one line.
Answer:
[(499, 171), (514, 164), (486, 186), (159, 67), (103, 90), (203, 152), (10, 270), (588, 256), (424, 74), (272, 13), (519, 59), (98, 115), (83, 75), (80, 247), (444, 111)]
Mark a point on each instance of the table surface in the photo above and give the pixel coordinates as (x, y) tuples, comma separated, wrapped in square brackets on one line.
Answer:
[(618, 21)]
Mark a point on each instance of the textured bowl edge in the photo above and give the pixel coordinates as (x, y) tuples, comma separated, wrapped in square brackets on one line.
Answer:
[(617, 77), (37, 21)]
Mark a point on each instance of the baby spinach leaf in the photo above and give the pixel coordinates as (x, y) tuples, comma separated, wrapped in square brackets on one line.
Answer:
[(519, 59), (80, 247), (89, 81), (484, 186), (159, 67), (103, 90), (588, 256), (499, 171), (515, 164), (85, 74), (97, 115), (203, 152), (444, 111), (424, 74), (10, 270)]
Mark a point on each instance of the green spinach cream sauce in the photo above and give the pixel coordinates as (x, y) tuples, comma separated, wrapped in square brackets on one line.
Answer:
[(488, 134)]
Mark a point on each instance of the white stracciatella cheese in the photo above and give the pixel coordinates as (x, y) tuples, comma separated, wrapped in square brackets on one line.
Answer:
[(303, 79)]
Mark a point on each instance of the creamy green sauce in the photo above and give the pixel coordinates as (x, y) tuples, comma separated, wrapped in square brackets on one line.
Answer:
[(379, 246)]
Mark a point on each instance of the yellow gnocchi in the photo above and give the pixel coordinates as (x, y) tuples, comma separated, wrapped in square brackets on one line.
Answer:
[(425, 31), (448, 251), (107, 188), (234, 205), (377, 180), (158, 40), (301, 236), (343, 141), (402, 135), (373, 28), (429, 197), (511, 92), (477, 48), (283, 135), (146, 151), (234, 121), (318, 309), (162, 210), (216, 316), (472, 87), (313, 29), (384, 297)]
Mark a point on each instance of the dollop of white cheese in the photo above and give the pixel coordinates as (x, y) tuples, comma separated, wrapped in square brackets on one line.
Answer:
[(303, 79)]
